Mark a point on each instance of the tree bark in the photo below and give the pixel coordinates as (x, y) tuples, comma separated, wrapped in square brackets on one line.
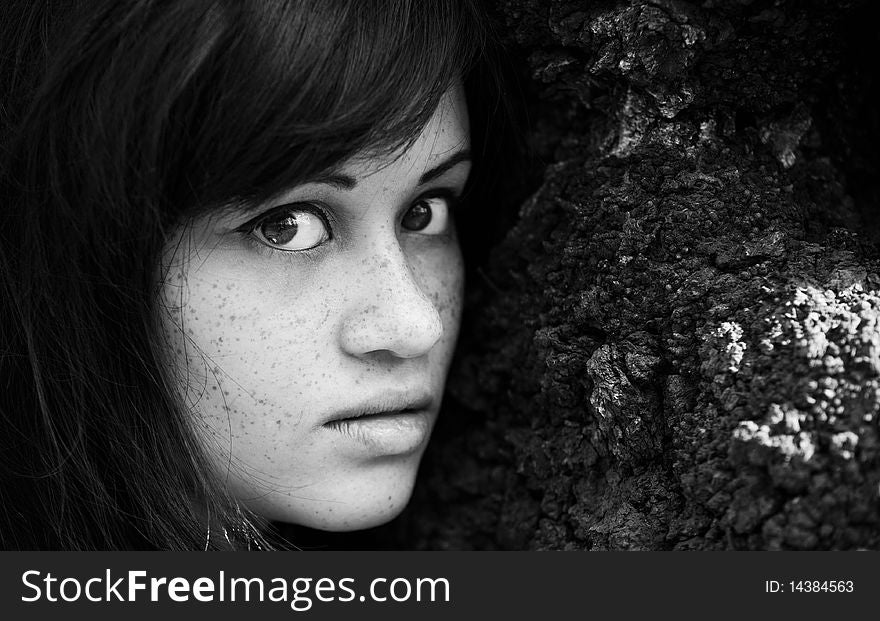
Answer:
[(677, 344)]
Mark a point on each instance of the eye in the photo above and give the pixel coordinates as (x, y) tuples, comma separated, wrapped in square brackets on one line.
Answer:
[(292, 228), (429, 215)]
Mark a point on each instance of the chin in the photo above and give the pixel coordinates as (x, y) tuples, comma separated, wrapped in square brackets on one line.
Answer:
[(359, 518), (370, 498)]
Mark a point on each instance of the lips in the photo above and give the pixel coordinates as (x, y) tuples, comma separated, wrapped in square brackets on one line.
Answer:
[(390, 403), (391, 424)]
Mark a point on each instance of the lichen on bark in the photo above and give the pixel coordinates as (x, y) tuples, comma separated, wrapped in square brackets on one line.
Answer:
[(676, 346)]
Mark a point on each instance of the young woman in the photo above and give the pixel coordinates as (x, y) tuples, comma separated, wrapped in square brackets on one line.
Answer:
[(231, 282)]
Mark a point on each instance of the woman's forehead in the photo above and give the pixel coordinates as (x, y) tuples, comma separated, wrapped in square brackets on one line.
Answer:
[(446, 134)]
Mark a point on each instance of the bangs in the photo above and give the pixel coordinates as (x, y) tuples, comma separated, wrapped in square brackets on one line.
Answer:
[(284, 91)]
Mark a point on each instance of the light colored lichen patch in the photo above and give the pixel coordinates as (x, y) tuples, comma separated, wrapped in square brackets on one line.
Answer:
[(830, 329), (817, 363), (730, 347), (788, 445)]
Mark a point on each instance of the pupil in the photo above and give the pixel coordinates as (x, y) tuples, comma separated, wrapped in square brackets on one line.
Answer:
[(417, 218), (280, 231)]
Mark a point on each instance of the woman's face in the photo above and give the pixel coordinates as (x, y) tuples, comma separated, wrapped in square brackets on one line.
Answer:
[(311, 338)]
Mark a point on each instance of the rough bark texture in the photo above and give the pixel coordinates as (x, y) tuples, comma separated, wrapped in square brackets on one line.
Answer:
[(677, 346)]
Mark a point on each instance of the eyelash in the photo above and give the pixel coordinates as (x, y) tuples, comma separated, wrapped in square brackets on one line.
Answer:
[(453, 202), (249, 228)]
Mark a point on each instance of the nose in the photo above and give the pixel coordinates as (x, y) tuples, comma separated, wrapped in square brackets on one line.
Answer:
[(389, 312)]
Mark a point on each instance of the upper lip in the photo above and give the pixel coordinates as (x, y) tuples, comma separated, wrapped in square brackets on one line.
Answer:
[(385, 402)]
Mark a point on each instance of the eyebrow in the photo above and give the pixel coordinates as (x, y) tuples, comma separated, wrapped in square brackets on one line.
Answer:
[(347, 182)]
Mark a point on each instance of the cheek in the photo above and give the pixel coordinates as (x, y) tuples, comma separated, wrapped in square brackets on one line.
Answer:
[(240, 349)]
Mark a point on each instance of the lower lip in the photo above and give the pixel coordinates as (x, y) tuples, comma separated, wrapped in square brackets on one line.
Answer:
[(395, 433)]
